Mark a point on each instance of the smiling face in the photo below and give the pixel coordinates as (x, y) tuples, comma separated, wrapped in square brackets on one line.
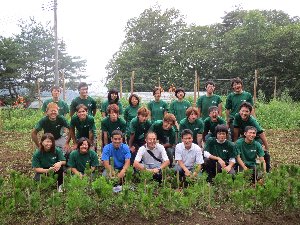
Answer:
[(151, 140), (187, 140), (142, 118), (82, 114), (47, 144), (84, 147), (116, 140), (113, 96), (192, 117), (167, 125), (157, 95), (210, 89), (237, 87), (134, 101), (250, 135), (180, 95), (52, 113), (214, 115), (83, 92), (245, 113), (55, 93)]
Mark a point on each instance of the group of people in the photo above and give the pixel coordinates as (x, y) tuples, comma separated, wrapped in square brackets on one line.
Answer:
[(152, 137)]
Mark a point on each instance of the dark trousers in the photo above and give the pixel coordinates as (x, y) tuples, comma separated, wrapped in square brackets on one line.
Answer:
[(212, 167), (267, 158), (60, 177)]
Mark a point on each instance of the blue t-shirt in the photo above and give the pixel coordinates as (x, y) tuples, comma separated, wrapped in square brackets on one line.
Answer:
[(119, 155)]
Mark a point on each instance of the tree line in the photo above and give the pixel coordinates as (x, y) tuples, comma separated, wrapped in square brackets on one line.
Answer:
[(29, 55), (160, 45)]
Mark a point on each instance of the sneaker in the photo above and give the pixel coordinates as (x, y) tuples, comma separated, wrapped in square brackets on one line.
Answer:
[(59, 189), (117, 189)]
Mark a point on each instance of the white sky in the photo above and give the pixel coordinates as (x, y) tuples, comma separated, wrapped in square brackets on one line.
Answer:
[(94, 29)]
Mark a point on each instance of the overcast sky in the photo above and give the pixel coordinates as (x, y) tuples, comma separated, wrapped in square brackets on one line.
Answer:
[(94, 29)]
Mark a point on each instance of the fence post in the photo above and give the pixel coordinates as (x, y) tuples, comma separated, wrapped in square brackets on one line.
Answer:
[(195, 88), (121, 88), (64, 85), (198, 85), (275, 88), (131, 82), (39, 92), (254, 87)]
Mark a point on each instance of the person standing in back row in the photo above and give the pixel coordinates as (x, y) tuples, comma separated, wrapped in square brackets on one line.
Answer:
[(234, 100), (63, 107), (208, 100), (112, 98), (157, 107), (83, 98)]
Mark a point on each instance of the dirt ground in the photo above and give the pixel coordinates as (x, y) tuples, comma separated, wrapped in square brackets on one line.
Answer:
[(16, 151)]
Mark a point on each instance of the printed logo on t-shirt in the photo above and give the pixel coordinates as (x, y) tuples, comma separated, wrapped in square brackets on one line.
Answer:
[(213, 102), (253, 150), (225, 150), (54, 157), (58, 126), (161, 107)]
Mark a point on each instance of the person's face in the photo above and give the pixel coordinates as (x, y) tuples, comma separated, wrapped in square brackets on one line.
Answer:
[(47, 144), (237, 87), (221, 136), (84, 147), (116, 140), (55, 93), (52, 113), (192, 117), (83, 91), (167, 125), (113, 96), (134, 101), (214, 115), (142, 118), (187, 141), (245, 113), (250, 135), (151, 140), (113, 116), (210, 89), (82, 113), (157, 95), (180, 95)]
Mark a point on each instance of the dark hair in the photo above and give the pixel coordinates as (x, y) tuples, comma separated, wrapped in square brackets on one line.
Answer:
[(213, 108), (48, 136), (81, 106), (186, 132), (113, 108), (143, 111), (247, 128), (209, 82), (178, 90), (81, 140), (191, 109), (221, 128), (130, 98), (81, 85), (55, 88), (236, 80), (116, 132), (113, 91), (155, 90), (246, 105)]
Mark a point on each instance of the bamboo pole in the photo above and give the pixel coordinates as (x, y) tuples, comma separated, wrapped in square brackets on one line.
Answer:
[(275, 88), (121, 88), (64, 85), (198, 85), (39, 92), (159, 82), (131, 83), (195, 88), (255, 87)]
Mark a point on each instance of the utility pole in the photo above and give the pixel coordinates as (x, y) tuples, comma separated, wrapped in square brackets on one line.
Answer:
[(56, 76)]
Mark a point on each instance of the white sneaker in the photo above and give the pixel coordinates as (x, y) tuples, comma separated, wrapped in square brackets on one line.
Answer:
[(117, 188), (59, 189)]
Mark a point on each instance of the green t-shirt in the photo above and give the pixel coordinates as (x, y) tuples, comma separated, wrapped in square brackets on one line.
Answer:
[(139, 129), (223, 150), (63, 106), (204, 102), (157, 109), (129, 113), (53, 127), (209, 125), (196, 127), (47, 159), (178, 108), (90, 103), (105, 105), (241, 124), (234, 101), (83, 127), (248, 152), (79, 161), (164, 136), (108, 126)]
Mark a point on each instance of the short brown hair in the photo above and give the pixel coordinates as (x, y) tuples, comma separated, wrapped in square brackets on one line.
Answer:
[(113, 108), (190, 110), (81, 106), (143, 111), (169, 117), (236, 80)]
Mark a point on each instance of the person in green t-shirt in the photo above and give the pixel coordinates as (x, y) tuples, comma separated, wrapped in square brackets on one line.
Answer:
[(131, 112), (48, 158), (82, 156), (248, 150), (51, 123), (178, 107), (166, 134), (138, 129), (219, 153), (244, 119), (209, 99), (211, 122), (193, 123), (234, 100), (62, 105), (83, 98), (84, 125), (112, 98), (112, 122), (158, 108)]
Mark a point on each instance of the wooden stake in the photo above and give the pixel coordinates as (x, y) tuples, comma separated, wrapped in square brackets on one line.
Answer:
[(64, 85), (121, 88), (159, 82), (132, 79), (254, 87), (195, 88), (198, 85), (275, 88), (38, 92)]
